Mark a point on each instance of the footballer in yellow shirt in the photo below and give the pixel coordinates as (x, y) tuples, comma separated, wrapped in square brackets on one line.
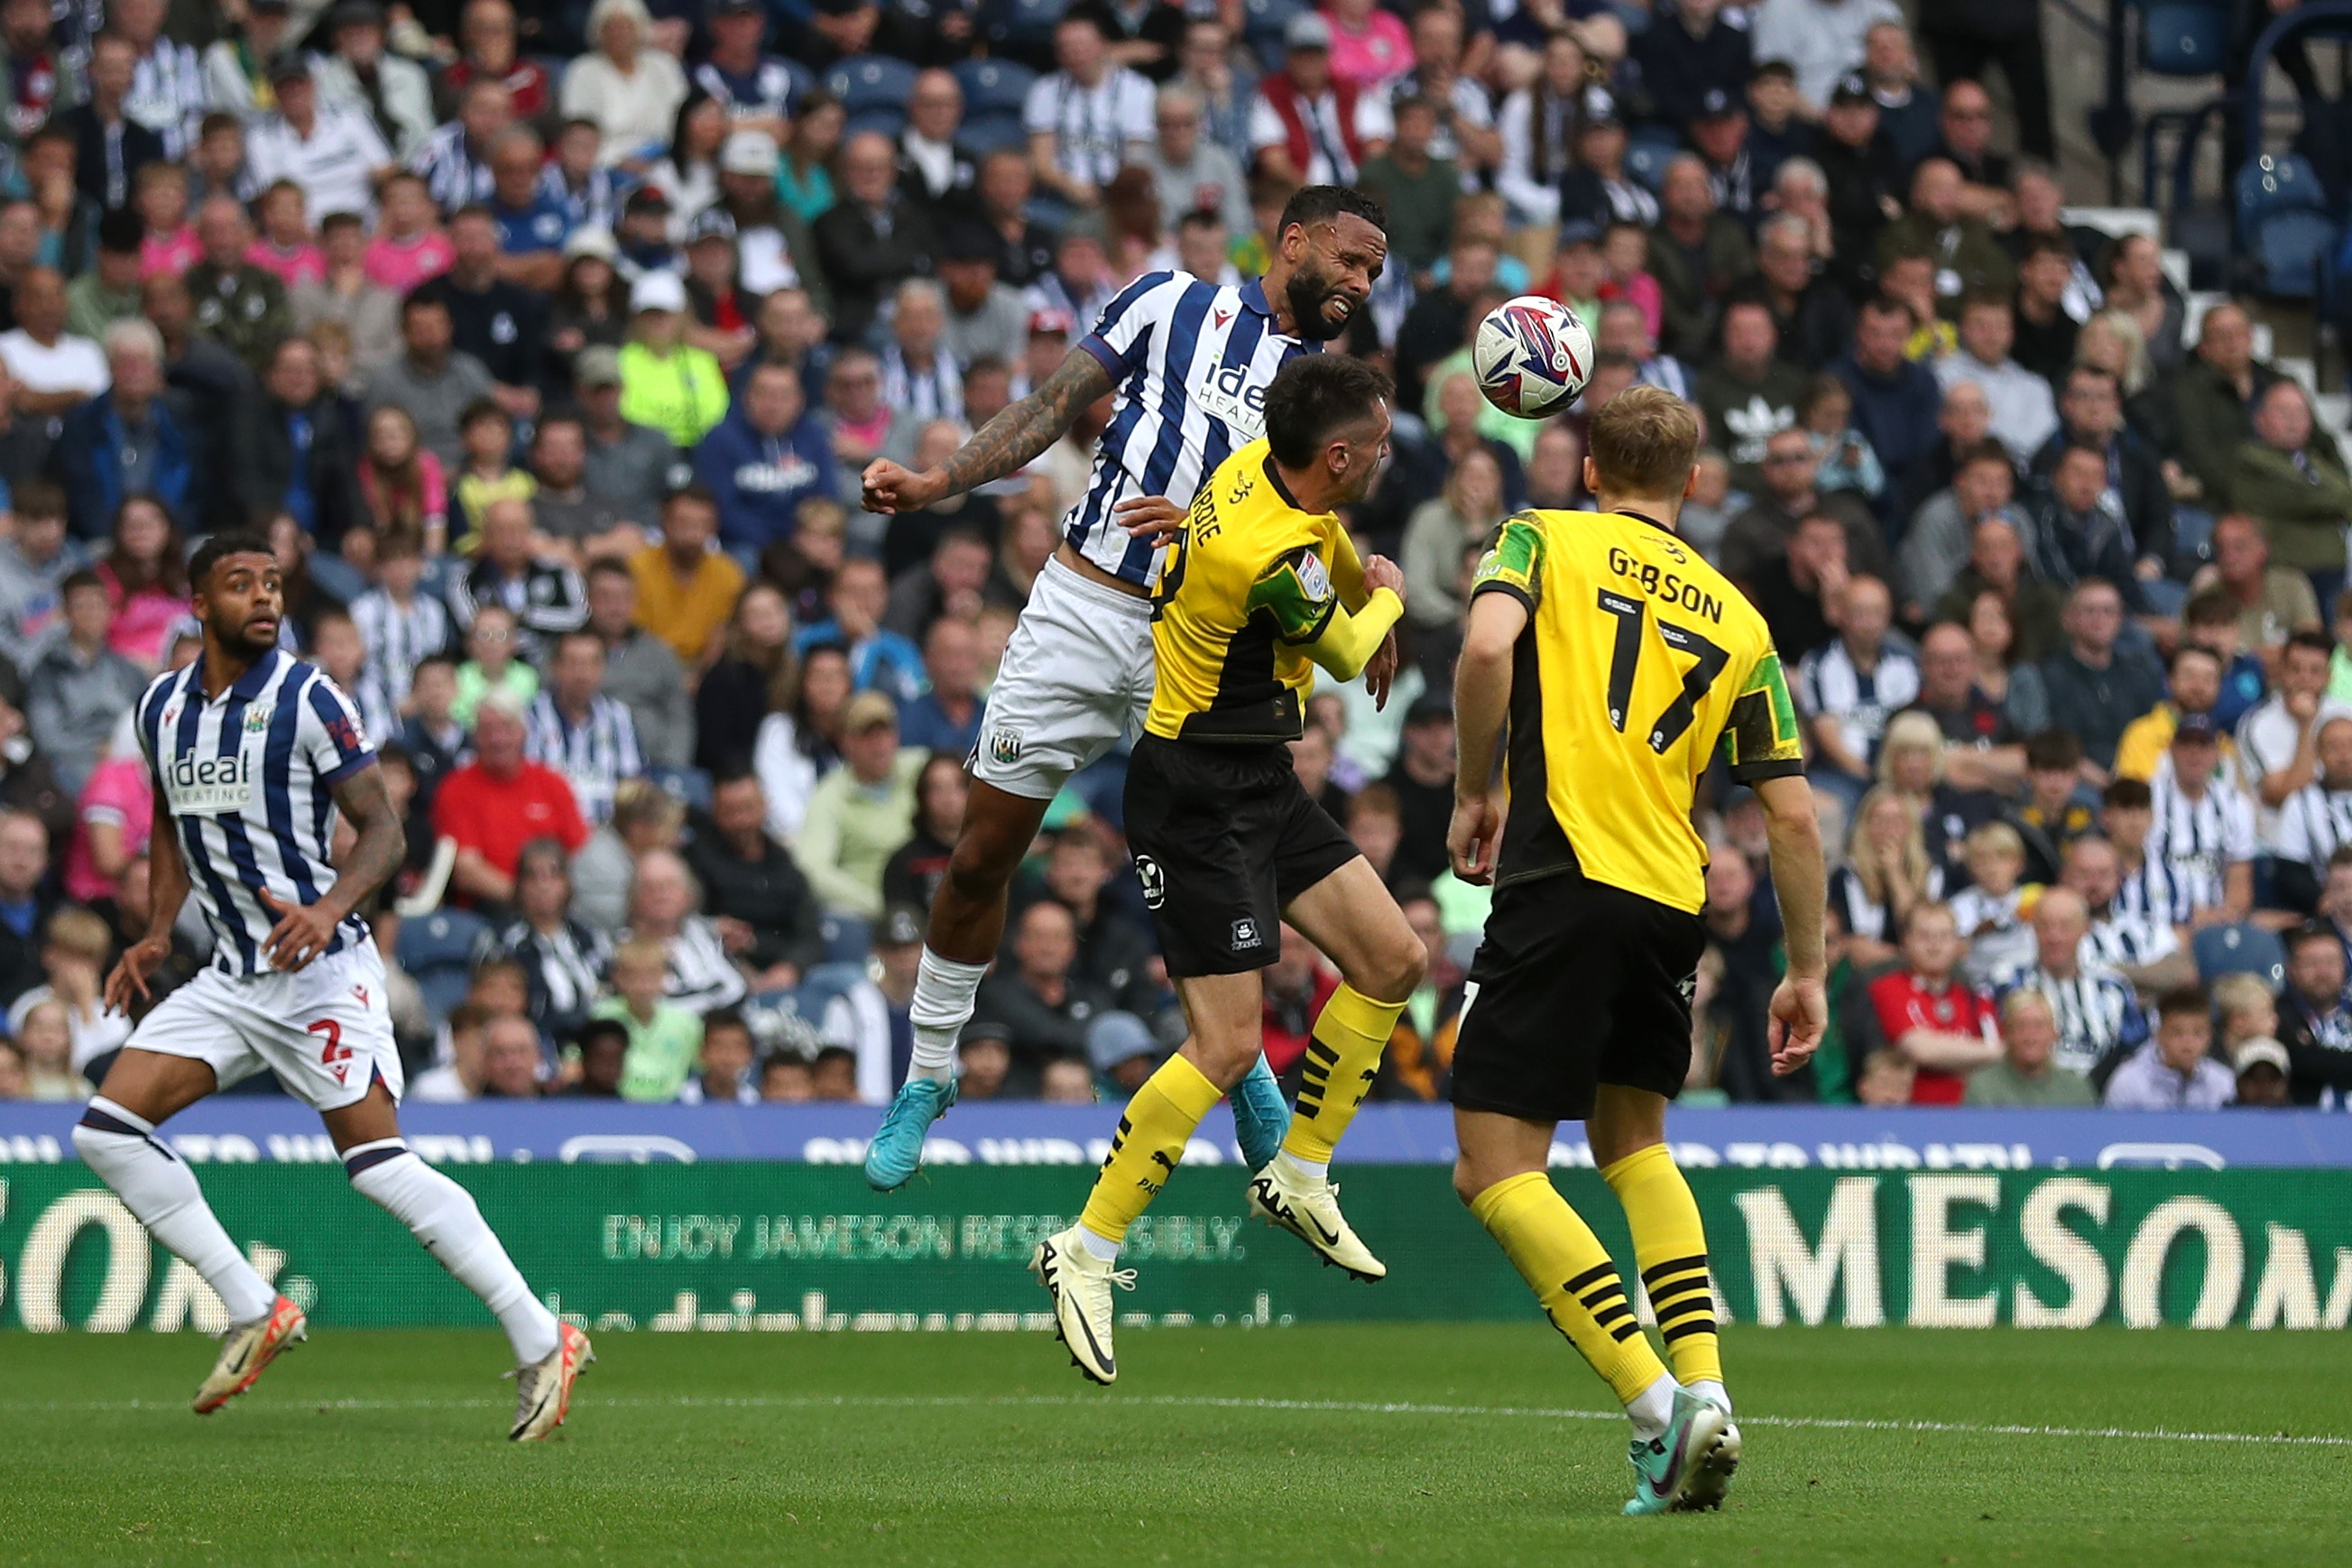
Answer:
[(1622, 664), (1260, 586)]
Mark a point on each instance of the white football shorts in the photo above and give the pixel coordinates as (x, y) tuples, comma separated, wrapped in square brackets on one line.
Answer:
[(325, 1030), (1076, 675)]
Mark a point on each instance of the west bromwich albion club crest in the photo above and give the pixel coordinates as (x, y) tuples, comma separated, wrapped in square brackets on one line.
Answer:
[(257, 718)]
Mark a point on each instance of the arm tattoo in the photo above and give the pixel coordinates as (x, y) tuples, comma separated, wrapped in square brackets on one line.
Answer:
[(382, 842), (1006, 443)]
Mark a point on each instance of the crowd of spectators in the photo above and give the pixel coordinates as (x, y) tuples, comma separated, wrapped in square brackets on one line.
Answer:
[(548, 344)]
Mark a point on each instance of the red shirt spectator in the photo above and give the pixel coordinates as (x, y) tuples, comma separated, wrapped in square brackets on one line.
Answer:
[(1296, 986), (497, 804), (1944, 1026)]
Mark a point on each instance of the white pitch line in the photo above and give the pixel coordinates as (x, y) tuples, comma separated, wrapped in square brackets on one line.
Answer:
[(1209, 1402)]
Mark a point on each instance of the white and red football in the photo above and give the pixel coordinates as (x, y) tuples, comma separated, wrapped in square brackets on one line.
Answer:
[(1532, 356)]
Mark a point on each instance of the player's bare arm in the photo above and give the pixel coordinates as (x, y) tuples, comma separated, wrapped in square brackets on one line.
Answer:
[(1800, 1008), (1002, 445), (1481, 698), (167, 874), (305, 931)]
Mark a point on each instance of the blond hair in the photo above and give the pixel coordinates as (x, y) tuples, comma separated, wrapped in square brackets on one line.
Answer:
[(1643, 441), (1861, 854), (1912, 731), (81, 934), (1995, 837)]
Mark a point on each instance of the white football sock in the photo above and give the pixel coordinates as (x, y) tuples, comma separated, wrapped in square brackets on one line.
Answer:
[(157, 1185), (941, 1006), (1101, 1246), (442, 1215), (1714, 1393), (1653, 1409), (1319, 1170)]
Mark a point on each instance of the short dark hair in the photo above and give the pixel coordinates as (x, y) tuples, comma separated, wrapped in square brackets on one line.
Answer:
[(76, 582), (2316, 642), (1988, 450), (2127, 795), (213, 551), (2209, 607), (334, 221), (40, 498), (481, 408), (2053, 751), (596, 1029), (2183, 1000), (2309, 930), (611, 566), (725, 1019), (1314, 395), (421, 297), (2172, 664), (2046, 245), (1318, 204), (693, 491)]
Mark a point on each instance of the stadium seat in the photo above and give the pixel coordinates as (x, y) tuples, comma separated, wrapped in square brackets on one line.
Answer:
[(871, 81), (888, 120), (2240, 949), (1261, 25), (976, 138), (2183, 39), (1032, 19), (2283, 226), (437, 951), (992, 87), (1646, 158)]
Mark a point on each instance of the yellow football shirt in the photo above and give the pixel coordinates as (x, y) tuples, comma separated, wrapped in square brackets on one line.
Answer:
[(1638, 661), (1253, 591)]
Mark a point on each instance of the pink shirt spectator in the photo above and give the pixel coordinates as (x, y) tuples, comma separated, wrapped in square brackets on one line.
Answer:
[(119, 796), (389, 264), (160, 255), (1640, 292), (432, 480), (1382, 50), (142, 620), (303, 264)]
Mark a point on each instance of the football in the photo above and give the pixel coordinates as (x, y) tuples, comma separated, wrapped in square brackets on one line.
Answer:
[(1532, 356)]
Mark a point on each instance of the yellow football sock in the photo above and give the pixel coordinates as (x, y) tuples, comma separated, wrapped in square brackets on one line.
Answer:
[(1341, 1061), (1570, 1271), (1148, 1143), (1670, 1249)]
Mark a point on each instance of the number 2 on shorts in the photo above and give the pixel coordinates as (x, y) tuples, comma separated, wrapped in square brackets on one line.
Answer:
[(335, 1050)]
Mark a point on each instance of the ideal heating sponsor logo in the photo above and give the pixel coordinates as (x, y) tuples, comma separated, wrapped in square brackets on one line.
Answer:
[(209, 786)]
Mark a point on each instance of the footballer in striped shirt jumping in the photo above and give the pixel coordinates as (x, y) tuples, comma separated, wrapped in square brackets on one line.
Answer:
[(1187, 364), (252, 752)]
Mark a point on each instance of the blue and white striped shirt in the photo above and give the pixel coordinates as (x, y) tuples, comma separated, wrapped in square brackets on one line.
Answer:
[(2096, 1012), (1190, 362), (593, 756), (248, 779)]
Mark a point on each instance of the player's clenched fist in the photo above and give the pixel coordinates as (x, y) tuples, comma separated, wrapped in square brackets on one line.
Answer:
[(891, 487)]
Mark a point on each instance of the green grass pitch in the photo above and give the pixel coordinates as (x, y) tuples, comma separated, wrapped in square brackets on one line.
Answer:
[(1356, 1445)]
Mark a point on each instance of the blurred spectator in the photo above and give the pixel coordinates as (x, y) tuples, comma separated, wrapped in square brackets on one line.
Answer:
[(2173, 1071), (1465, 514), (2094, 689), (629, 465), (800, 742), (604, 1057), (243, 306), (764, 459), (1749, 393), (459, 1077), (666, 384), (663, 898), (2278, 741), (1115, 950), (914, 872), (757, 898), (501, 801), (2056, 810), (880, 659), (331, 151), (1969, 536), (2262, 1068), (1886, 875), (80, 687), (433, 739), (2099, 1020), (1190, 172), (2045, 331), (2192, 685), (2212, 403), (2314, 1025), (1895, 400), (109, 291), (130, 439), (562, 961), (641, 672), (494, 662), (544, 592), (1047, 1009), (664, 1036), (645, 817), (1848, 688), (1307, 125), (2272, 602), (1697, 253), (629, 88), (2028, 1073), (1793, 589), (1943, 1028), (869, 1019), (833, 1075), (1989, 910), (1788, 495), (860, 813), (53, 371), (510, 1060), (1423, 783), (785, 1079), (876, 237), (1822, 38), (34, 565), (574, 728), (2078, 531), (24, 906), (722, 1074), (2092, 415), (687, 586), (430, 382), (110, 144), (2023, 414), (2291, 477), (289, 453), (946, 718)]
